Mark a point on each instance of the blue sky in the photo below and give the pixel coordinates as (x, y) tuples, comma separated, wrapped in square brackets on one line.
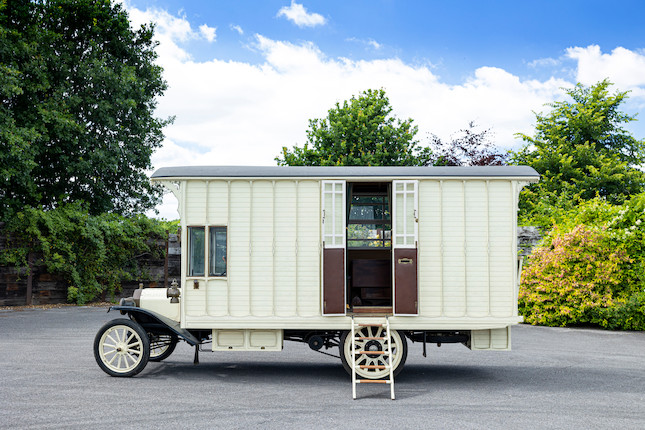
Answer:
[(454, 36), (245, 77)]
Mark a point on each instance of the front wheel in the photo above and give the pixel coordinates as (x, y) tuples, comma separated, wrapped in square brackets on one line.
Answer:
[(397, 342), (122, 348)]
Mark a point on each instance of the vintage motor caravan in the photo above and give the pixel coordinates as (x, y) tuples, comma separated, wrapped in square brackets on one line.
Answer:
[(324, 255)]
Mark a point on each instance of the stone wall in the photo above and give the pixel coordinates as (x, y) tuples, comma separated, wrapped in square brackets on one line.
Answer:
[(527, 239)]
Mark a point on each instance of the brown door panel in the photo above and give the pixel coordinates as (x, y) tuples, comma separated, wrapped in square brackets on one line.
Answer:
[(334, 281), (405, 281)]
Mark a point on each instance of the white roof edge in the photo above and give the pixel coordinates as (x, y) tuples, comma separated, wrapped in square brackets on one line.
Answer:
[(531, 179), (247, 172)]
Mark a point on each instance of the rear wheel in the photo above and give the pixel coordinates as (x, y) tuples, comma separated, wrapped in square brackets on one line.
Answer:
[(121, 348), (161, 345), (397, 342)]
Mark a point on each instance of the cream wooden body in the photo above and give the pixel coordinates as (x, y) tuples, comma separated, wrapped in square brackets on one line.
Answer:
[(467, 255)]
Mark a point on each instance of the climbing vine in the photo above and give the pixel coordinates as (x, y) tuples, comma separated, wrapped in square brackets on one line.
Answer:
[(93, 253)]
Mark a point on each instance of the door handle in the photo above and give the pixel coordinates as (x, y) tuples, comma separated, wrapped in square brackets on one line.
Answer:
[(405, 261)]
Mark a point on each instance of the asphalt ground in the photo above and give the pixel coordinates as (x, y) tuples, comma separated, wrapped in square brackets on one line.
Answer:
[(553, 378)]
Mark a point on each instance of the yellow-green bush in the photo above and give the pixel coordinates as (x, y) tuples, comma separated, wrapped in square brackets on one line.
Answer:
[(590, 268), (572, 279)]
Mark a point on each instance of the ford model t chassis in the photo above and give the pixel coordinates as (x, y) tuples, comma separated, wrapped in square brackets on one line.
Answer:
[(124, 346), (354, 257)]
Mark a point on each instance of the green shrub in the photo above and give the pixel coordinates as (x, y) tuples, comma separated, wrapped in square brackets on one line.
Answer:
[(94, 254), (553, 270), (571, 279), (626, 314)]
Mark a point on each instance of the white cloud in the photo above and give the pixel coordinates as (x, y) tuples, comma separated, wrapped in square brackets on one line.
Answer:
[(374, 44), (207, 32), (298, 14), (238, 113), (171, 31), (237, 28), (369, 42), (623, 67), (543, 62)]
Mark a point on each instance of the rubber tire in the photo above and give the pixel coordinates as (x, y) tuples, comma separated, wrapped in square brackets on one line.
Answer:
[(173, 344), (145, 346), (348, 367)]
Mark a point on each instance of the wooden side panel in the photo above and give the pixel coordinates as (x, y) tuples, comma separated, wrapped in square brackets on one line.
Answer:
[(218, 203), (217, 297), (195, 202), (454, 238), (405, 281), (466, 248), (429, 254), (476, 249), (334, 281), (503, 237), (194, 299), (239, 249), (285, 270), (308, 248), (262, 212)]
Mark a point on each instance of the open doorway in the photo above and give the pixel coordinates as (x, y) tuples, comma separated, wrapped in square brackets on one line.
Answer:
[(369, 247)]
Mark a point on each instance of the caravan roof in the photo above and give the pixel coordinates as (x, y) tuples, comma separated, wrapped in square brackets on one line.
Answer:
[(344, 171)]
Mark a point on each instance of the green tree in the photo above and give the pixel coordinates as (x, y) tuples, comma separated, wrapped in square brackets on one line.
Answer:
[(582, 151), (78, 89), (469, 148), (360, 132)]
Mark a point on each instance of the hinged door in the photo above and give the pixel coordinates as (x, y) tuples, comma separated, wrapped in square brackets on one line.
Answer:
[(405, 228), (333, 239)]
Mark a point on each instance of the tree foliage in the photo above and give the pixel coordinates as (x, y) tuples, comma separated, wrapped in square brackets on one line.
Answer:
[(360, 132), (469, 148), (78, 88), (582, 151), (93, 253)]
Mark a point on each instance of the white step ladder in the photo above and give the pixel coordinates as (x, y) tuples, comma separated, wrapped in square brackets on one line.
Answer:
[(386, 341)]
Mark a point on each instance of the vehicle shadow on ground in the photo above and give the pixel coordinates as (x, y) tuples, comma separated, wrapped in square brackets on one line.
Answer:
[(413, 381), (260, 372)]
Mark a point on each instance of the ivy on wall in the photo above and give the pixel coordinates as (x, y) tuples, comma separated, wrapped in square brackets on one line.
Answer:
[(93, 253)]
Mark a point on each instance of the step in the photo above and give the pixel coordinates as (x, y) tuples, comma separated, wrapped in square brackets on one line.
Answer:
[(371, 352), (373, 381), (370, 325), (371, 338), (372, 366)]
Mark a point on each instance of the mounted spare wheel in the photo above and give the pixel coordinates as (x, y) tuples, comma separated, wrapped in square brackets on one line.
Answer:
[(122, 348), (373, 366)]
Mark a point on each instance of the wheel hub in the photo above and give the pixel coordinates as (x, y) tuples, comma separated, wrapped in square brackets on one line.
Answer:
[(373, 345)]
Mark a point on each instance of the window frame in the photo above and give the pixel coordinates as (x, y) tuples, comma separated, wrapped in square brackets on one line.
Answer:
[(215, 229), (410, 203), (189, 254), (206, 250), (337, 235)]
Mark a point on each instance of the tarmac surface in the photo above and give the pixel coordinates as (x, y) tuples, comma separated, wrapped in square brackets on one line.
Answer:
[(553, 378)]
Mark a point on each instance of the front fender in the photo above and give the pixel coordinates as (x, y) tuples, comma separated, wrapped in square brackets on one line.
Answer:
[(152, 320)]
